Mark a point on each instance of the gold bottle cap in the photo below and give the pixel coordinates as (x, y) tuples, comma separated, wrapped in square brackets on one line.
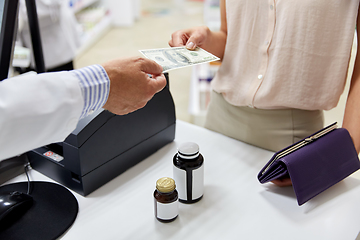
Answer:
[(165, 184)]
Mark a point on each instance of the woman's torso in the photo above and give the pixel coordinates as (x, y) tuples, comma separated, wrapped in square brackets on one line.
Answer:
[(287, 53)]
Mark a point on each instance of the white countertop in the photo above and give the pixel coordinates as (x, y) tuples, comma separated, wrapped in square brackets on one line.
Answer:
[(235, 205)]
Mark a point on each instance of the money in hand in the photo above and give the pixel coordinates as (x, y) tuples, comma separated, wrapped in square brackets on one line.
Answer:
[(178, 57)]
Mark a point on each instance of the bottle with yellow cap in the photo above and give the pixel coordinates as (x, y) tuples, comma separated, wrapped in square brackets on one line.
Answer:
[(166, 200)]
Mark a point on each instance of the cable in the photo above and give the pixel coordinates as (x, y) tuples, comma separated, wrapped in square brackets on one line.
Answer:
[(27, 165)]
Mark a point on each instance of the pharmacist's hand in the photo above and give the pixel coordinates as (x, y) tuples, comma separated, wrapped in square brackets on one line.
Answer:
[(282, 182), (130, 85), (191, 38)]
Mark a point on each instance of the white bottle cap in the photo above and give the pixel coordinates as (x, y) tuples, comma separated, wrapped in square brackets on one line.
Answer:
[(188, 150)]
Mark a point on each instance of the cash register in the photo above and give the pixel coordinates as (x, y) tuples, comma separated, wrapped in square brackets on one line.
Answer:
[(104, 145)]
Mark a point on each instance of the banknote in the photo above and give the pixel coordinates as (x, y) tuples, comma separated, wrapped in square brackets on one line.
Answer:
[(178, 57)]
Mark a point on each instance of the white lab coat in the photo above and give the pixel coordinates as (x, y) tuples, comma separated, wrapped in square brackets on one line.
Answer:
[(59, 31), (36, 110)]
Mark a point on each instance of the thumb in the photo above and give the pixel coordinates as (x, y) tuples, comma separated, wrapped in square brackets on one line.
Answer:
[(191, 45), (158, 82), (150, 66), (194, 40)]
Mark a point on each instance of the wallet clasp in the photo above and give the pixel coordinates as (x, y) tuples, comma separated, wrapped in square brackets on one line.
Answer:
[(301, 144)]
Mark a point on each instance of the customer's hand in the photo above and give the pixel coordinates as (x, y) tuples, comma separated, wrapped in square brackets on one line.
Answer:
[(191, 38), (130, 85)]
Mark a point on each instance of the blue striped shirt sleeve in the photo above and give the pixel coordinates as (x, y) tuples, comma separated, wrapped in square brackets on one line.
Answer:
[(95, 86)]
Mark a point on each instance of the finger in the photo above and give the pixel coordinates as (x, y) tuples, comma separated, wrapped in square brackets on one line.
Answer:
[(179, 39), (282, 182), (151, 67)]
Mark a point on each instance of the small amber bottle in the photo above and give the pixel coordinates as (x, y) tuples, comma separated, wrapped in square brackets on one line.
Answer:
[(166, 200), (188, 173)]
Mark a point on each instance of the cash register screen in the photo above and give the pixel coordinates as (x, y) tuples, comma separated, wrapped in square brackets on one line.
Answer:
[(8, 22)]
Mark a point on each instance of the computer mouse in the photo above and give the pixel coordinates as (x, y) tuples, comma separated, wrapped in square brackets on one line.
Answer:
[(13, 205)]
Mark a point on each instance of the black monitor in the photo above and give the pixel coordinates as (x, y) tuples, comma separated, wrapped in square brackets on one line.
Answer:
[(8, 17)]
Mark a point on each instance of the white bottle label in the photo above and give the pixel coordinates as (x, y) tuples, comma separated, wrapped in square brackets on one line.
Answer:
[(179, 176), (167, 211), (197, 184)]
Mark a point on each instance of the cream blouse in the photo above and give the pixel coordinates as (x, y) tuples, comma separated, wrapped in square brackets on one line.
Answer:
[(286, 53)]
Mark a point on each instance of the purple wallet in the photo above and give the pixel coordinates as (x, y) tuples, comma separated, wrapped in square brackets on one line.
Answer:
[(315, 163)]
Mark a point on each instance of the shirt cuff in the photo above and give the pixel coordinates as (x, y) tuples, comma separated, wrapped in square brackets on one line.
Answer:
[(95, 86)]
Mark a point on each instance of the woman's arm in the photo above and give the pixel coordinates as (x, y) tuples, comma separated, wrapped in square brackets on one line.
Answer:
[(352, 109)]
